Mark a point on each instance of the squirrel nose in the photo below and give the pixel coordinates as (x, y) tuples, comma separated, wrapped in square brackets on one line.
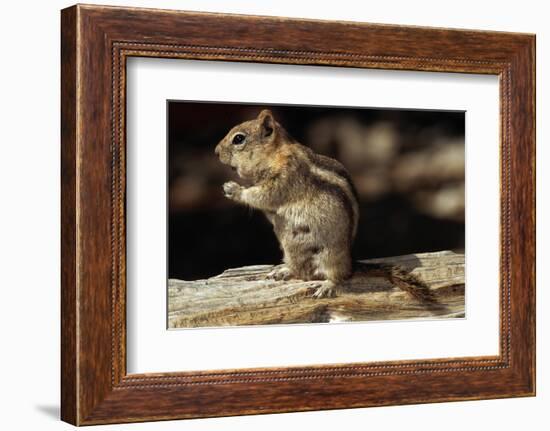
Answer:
[(217, 150)]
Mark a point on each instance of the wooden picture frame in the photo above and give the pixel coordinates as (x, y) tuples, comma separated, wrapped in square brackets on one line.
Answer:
[(95, 43)]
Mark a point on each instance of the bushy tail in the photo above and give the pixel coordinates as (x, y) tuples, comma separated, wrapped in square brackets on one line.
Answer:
[(398, 277)]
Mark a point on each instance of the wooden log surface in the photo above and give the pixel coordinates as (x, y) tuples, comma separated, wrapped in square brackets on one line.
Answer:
[(245, 296)]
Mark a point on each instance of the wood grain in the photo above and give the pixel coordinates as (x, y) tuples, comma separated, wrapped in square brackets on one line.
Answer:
[(246, 296), (69, 395), (96, 41)]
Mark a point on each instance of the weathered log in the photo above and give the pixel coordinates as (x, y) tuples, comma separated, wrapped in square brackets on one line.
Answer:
[(245, 296)]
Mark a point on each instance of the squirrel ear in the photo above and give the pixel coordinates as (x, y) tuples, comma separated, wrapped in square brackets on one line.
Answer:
[(267, 123)]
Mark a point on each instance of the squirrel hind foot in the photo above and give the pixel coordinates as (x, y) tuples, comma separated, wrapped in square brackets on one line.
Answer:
[(326, 289)]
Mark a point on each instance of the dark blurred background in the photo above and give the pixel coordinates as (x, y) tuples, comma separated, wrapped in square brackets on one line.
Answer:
[(407, 165)]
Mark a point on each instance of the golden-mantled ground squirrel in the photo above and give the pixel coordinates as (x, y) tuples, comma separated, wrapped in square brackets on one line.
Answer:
[(309, 198)]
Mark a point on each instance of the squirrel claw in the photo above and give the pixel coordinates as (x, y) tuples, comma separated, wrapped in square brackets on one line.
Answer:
[(327, 290)]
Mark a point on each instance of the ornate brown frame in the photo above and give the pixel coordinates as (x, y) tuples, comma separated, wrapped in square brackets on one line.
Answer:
[(95, 42)]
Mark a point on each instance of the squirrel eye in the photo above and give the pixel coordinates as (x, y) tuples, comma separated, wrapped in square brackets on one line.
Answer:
[(238, 139)]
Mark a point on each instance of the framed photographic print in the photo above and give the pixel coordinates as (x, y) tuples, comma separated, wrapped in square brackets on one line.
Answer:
[(264, 214)]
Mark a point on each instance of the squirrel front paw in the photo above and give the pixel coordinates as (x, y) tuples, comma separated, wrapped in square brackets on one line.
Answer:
[(280, 273), (232, 190)]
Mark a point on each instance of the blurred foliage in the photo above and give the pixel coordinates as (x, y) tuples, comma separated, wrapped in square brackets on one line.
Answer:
[(408, 167)]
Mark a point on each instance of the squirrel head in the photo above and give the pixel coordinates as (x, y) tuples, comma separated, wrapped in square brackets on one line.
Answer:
[(250, 146)]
